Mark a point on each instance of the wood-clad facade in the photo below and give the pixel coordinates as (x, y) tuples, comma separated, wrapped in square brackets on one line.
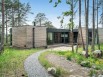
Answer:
[(38, 36)]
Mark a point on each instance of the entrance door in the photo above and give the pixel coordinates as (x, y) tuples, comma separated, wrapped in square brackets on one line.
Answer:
[(57, 38), (65, 38)]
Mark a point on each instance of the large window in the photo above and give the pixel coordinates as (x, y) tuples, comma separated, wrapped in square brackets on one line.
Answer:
[(50, 38)]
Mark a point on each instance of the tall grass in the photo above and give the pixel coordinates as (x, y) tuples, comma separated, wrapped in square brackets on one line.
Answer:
[(12, 61)]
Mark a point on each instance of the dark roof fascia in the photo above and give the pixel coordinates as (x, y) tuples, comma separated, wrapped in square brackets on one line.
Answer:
[(57, 30)]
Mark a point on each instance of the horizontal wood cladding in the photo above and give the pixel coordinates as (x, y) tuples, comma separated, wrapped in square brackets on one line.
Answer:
[(83, 35), (40, 37), (100, 31), (23, 36), (19, 36)]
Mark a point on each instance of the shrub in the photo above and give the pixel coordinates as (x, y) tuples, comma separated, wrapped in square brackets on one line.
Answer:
[(92, 73), (85, 64), (69, 55), (58, 73)]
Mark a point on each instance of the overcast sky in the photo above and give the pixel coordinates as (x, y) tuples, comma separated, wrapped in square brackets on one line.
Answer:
[(43, 6)]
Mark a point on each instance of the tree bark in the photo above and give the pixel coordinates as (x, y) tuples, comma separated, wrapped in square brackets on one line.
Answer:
[(6, 29), (80, 24), (87, 15), (2, 36), (97, 29), (72, 27), (93, 30)]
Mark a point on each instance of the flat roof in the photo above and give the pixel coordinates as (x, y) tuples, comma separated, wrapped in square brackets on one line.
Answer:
[(60, 30), (64, 30)]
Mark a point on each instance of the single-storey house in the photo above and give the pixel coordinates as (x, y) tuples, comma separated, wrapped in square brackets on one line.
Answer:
[(40, 36)]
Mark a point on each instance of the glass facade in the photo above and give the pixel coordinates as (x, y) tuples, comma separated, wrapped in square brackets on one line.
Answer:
[(50, 38)]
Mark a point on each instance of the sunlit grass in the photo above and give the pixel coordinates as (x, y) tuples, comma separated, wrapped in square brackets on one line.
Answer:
[(78, 57), (12, 61), (43, 60), (80, 49)]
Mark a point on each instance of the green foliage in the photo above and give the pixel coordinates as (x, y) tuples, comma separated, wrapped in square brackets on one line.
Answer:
[(67, 13), (16, 12), (40, 18), (48, 24), (92, 72), (85, 64), (43, 60), (68, 2), (69, 56), (12, 61), (78, 58), (58, 73), (50, 1)]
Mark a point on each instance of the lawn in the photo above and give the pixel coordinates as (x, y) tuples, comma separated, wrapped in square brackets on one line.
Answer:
[(12, 62)]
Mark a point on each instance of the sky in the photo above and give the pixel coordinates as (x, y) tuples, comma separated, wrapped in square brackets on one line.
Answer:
[(43, 6)]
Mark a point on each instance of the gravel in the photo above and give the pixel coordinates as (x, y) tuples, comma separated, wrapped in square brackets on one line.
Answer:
[(73, 69), (33, 67)]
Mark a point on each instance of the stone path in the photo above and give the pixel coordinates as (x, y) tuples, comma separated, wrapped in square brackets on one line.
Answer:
[(62, 48), (33, 67)]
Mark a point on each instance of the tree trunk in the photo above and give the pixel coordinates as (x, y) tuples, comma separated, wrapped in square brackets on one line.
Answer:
[(80, 28), (6, 29), (72, 27), (13, 23), (102, 15), (93, 30), (18, 15), (97, 29), (2, 36), (80, 24), (40, 22), (87, 15)]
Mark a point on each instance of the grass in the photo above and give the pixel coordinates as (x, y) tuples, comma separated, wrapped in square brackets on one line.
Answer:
[(80, 49), (78, 58), (43, 60), (12, 62)]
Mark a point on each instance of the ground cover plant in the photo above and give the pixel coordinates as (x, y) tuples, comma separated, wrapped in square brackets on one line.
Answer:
[(12, 61), (43, 60), (78, 58), (91, 62)]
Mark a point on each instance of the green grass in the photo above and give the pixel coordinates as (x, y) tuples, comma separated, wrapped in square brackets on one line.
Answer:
[(12, 61), (43, 60), (80, 49), (78, 58)]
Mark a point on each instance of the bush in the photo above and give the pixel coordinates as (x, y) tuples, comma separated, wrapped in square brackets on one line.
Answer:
[(76, 57), (69, 55), (58, 73), (85, 64), (92, 73)]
